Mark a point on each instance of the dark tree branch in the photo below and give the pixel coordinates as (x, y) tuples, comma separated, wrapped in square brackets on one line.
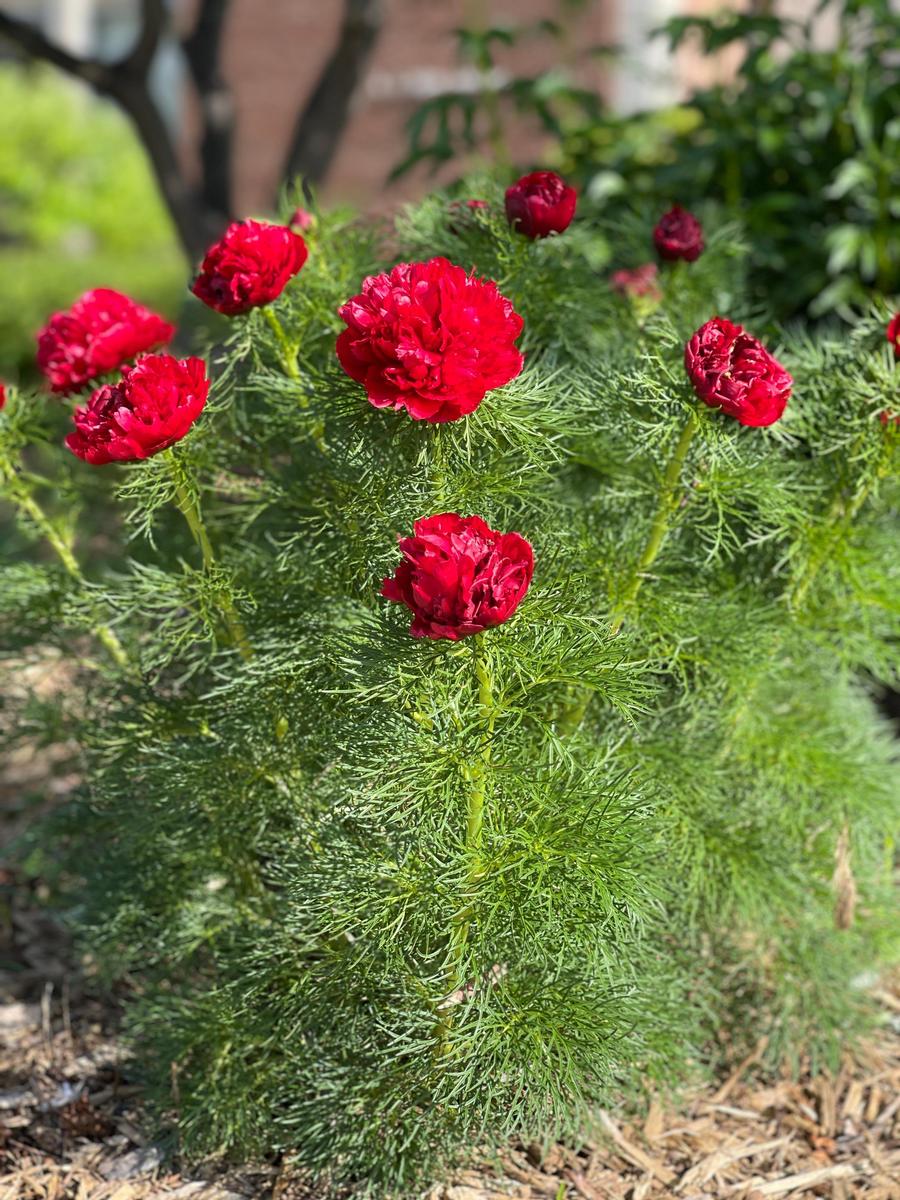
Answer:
[(202, 49), (153, 20), (198, 215), (125, 82), (194, 229), (35, 45), (319, 127)]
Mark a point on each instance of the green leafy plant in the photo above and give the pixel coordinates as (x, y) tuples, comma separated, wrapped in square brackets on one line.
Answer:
[(455, 125), (385, 901), (803, 145)]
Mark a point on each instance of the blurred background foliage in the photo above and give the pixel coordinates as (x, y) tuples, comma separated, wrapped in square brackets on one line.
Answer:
[(802, 145), (78, 209)]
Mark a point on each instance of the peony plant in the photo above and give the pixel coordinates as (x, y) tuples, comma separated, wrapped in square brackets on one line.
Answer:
[(475, 752)]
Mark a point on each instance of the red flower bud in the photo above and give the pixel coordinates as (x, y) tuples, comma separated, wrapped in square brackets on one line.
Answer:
[(302, 219), (732, 370), (459, 212), (678, 234), (101, 332), (893, 333), (641, 281), (540, 204), (152, 407), (249, 266), (459, 577), (429, 338), (2, 395)]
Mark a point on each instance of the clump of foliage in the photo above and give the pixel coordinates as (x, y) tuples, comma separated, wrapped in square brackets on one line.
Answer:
[(384, 901), (455, 124), (802, 145), (78, 207)]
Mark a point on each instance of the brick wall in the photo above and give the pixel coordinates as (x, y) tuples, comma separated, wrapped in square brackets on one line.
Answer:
[(274, 50)]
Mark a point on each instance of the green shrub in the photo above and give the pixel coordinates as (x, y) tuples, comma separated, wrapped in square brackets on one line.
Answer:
[(326, 954), (803, 147)]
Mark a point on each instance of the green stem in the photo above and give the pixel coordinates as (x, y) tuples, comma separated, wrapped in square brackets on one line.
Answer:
[(287, 349), (475, 20), (477, 776), (190, 510), (288, 356), (18, 492), (666, 506), (439, 472)]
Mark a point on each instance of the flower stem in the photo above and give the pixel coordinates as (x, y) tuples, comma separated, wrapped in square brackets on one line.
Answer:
[(477, 776), (190, 510), (288, 356), (288, 351), (667, 503), (18, 491)]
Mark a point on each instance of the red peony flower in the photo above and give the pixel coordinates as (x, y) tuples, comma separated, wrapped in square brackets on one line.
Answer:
[(459, 577), (893, 333), (302, 219), (2, 395), (101, 332), (641, 281), (732, 370), (249, 266), (678, 234), (540, 204), (429, 338), (153, 406)]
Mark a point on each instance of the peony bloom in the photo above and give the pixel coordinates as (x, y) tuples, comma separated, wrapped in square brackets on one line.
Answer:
[(540, 204), (302, 219), (101, 332), (153, 406), (893, 333), (639, 282), (250, 265), (459, 577), (732, 370), (678, 234), (429, 338), (2, 395)]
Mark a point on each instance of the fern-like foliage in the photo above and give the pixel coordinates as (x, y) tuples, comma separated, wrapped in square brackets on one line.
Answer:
[(274, 842)]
